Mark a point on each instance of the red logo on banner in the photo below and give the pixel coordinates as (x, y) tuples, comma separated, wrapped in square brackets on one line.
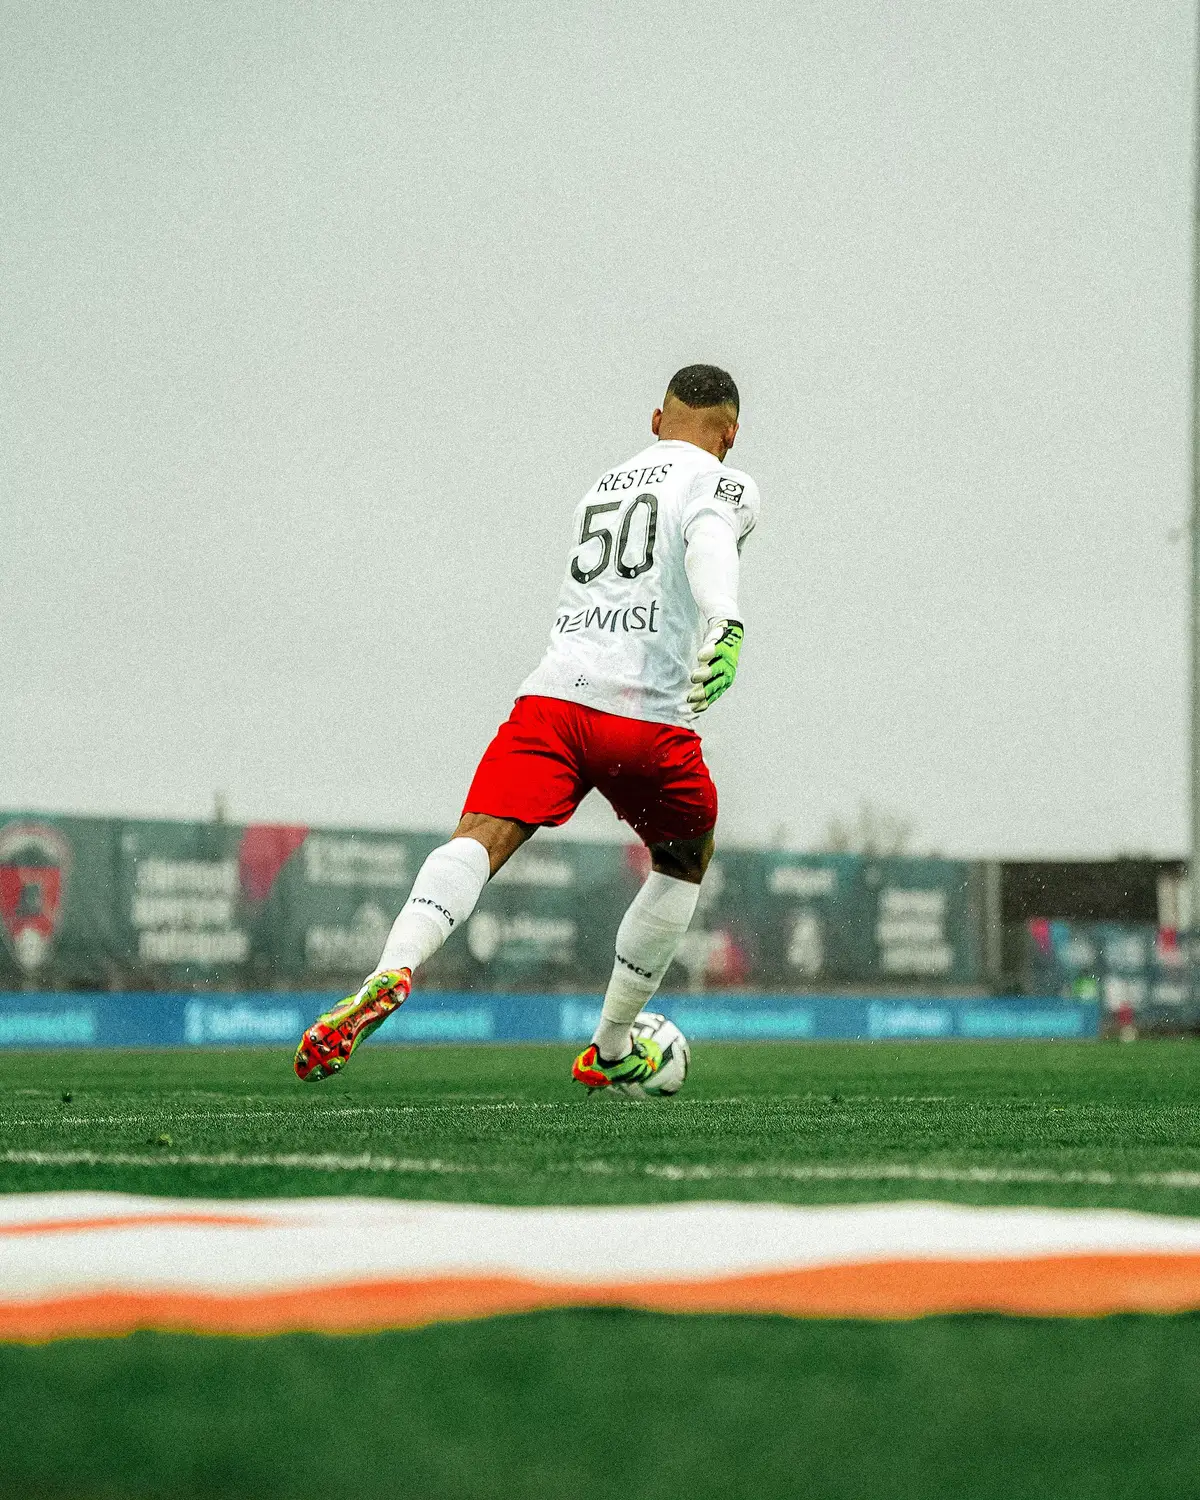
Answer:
[(264, 850), (35, 860)]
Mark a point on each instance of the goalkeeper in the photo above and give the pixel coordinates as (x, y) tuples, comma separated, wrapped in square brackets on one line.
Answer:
[(646, 638)]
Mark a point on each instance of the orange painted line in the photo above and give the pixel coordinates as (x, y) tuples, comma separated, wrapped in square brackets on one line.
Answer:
[(137, 1221), (1048, 1286)]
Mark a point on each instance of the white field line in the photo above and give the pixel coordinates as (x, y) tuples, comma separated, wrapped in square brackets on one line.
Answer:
[(317, 1113), (299, 1114), (311, 1117), (694, 1172), (309, 1162), (911, 1172)]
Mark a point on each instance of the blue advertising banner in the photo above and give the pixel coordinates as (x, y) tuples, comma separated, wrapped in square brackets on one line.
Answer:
[(188, 1019)]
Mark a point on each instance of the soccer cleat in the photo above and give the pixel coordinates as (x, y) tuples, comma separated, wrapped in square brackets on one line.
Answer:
[(635, 1067), (330, 1041)]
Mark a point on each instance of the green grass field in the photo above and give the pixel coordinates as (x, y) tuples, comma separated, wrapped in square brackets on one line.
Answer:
[(600, 1403)]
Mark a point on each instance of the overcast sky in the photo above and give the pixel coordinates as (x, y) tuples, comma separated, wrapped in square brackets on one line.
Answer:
[(317, 320)]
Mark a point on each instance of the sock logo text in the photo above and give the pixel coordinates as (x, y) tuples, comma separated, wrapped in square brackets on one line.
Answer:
[(644, 973), (425, 901)]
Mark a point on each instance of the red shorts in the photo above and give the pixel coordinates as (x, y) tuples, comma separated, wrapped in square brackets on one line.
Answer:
[(549, 754)]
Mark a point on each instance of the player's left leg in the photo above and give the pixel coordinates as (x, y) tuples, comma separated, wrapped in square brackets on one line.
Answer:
[(663, 788), (647, 940)]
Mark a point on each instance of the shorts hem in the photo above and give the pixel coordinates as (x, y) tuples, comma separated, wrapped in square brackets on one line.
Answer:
[(490, 812)]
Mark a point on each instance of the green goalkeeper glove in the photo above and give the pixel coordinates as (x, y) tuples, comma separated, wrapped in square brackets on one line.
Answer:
[(717, 664)]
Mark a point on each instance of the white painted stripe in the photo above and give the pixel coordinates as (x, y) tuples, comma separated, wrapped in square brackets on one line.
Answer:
[(305, 1242), (367, 1161)]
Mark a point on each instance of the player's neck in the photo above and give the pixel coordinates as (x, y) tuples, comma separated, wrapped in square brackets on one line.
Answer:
[(710, 442)]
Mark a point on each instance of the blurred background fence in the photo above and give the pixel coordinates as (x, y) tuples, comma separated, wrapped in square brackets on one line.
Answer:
[(131, 904)]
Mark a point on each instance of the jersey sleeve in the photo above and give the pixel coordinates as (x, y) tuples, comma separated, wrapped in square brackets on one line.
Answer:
[(728, 494)]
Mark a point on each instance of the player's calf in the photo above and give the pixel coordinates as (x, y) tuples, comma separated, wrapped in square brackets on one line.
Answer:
[(647, 939)]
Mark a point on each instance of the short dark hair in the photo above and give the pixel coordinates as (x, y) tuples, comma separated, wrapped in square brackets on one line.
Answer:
[(704, 385)]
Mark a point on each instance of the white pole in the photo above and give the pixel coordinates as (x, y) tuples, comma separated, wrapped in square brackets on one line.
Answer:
[(1193, 920)]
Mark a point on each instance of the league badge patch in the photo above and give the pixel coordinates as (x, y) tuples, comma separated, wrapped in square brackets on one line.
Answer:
[(35, 860), (731, 491)]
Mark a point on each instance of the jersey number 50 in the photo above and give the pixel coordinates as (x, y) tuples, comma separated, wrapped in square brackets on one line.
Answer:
[(601, 534)]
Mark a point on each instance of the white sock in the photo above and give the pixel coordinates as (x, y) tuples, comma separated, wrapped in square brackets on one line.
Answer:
[(647, 938), (443, 896)]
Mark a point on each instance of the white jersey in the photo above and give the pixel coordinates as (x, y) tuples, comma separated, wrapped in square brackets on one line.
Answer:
[(627, 629)]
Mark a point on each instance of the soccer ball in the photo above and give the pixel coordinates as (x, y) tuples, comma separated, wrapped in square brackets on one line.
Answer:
[(676, 1055)]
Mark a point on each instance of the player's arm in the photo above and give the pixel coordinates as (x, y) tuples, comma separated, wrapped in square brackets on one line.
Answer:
[(713, 568)]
